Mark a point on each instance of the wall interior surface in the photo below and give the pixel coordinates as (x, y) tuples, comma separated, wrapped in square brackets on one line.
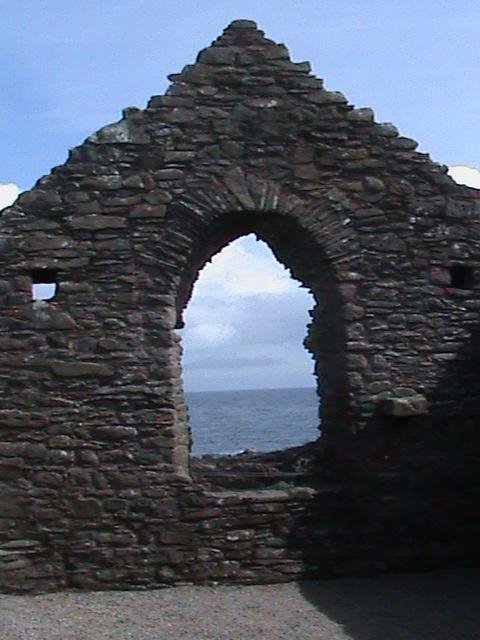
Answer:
[(97, 489)]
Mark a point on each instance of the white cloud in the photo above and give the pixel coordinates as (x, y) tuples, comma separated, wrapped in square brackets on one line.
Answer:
[(8, 194), (244, 268), (240, 274), (468, 176), (245, 323), (209, 325)]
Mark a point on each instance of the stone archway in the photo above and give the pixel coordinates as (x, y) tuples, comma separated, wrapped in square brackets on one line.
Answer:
[(316, 253)]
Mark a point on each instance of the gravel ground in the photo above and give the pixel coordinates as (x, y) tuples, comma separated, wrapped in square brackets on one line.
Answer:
[(436, 606)]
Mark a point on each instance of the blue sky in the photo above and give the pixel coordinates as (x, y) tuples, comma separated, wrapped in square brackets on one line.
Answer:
[(67, 67)]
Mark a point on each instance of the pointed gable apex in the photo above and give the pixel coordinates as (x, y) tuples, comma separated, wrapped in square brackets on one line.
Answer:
[(243, 59)]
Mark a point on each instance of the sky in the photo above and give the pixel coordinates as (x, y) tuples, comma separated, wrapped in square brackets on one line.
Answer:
[(68, 68)]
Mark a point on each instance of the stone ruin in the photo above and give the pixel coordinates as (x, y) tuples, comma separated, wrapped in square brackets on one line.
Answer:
[(97, 489)]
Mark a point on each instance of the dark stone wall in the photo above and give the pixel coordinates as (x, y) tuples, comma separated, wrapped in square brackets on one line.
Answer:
[(96, 488)]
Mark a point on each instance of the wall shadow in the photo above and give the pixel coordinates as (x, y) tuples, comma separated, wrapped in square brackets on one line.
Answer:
[(441, 605), (408, 502)]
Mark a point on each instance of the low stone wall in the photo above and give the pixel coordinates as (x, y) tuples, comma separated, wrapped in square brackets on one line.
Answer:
[(140, 532)]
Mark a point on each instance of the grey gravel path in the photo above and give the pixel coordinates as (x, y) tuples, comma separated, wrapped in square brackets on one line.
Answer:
[(436, 606)]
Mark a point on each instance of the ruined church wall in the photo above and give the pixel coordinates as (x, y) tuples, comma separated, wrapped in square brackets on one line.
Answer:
[(94, 470)]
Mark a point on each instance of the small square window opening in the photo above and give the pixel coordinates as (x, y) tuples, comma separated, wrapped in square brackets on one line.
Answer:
[(44, 284), (461, 276)]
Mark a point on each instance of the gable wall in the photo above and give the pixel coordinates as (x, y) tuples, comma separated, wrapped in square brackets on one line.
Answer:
[(94, 444)]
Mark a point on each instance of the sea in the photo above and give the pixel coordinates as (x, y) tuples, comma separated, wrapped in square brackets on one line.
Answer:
[(253, 419)]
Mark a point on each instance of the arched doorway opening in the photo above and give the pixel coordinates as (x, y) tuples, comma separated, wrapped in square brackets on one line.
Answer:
[(295, 248), (247, 376)]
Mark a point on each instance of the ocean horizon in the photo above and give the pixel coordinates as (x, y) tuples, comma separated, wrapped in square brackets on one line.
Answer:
[(247, 389), (230, 421)]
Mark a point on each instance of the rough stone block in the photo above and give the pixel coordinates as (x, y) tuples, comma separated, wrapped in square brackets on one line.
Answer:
[(218, 55), (80, 369), (416, 405), (115, 433), (95, 222)]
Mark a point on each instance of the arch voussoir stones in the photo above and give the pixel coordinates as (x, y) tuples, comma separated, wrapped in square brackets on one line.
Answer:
[(97, 486)]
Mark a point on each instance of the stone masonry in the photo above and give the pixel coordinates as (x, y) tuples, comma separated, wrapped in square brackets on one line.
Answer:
[(97, 489)]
